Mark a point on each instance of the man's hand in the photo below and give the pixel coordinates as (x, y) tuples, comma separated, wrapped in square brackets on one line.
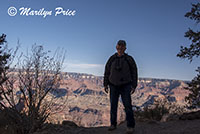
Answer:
[(106, 89), (132, 90)]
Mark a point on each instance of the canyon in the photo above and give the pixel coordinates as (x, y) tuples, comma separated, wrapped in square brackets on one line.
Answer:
[(88, 105)]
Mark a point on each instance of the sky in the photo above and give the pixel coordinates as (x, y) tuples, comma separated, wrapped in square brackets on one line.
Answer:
[(153, 29)]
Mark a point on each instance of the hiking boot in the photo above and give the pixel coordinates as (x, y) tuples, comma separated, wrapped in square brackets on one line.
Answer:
[(129, 130), (112, 127)]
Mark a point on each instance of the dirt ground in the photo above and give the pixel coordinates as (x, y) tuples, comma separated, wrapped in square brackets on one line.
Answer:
[(150, 127)]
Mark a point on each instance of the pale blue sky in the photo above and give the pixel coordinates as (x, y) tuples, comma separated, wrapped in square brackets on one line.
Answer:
[(153, 29)]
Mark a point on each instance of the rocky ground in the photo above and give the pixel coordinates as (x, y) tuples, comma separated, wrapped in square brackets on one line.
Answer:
[(149, 127)]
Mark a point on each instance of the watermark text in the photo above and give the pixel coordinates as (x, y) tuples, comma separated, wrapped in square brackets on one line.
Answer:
[(27, 11)]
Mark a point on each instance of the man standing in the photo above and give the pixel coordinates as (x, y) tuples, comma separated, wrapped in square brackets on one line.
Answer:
[(121, 77)]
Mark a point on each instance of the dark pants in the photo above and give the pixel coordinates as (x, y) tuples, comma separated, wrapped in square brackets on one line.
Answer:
[(124, 91)]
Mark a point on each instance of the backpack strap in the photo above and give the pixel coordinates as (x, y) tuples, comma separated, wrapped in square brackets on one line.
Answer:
[(129, 64), (133, 70)]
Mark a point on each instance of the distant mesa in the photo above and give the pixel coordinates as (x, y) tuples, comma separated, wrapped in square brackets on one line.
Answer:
[(75, 109), (89, 110), (83, 92), (60, 92)]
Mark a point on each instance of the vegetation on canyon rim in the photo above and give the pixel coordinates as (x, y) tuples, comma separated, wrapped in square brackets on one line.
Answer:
[(37, 75)]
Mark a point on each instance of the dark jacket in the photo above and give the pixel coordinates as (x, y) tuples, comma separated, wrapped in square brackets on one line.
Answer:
[(120, 70)]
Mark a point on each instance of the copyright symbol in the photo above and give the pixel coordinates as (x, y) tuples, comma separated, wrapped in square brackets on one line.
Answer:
[(12, 11)]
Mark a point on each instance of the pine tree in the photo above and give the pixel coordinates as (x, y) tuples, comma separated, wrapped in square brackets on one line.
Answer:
[(4, 56), (189, 53), (194, 87)]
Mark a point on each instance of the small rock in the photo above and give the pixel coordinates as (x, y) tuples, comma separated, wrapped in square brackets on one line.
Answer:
[(69, 123)]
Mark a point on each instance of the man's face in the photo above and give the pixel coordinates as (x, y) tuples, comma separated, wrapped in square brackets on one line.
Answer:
[(120, 50)]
